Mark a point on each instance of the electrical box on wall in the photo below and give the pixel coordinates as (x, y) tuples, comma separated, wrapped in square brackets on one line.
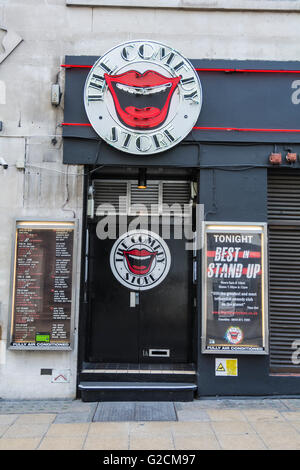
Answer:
[(55, 94)]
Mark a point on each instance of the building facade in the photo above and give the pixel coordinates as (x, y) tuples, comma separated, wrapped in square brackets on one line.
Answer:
[(236, 169)]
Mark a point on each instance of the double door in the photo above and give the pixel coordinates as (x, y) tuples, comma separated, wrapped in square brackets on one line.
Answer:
[(140, 297)]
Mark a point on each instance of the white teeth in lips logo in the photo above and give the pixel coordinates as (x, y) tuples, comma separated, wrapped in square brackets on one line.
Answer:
[(143, 90), (142, 97), (140, 259)]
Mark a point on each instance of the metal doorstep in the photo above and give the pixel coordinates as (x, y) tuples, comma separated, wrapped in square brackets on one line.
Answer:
[(136, 391), (138, 371), (136, 386), (120, 368)]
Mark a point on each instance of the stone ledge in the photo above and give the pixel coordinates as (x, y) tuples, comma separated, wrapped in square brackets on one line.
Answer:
[(239, 5)]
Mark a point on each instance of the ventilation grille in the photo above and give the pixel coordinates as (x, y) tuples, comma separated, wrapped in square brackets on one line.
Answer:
[(284, 267), (284, 195), (108, 194), (176, 193), (144, 201), (159, 198)]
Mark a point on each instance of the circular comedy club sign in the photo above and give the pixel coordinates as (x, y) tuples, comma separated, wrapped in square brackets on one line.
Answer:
[(142, 97), (234, 335), (140, 259)]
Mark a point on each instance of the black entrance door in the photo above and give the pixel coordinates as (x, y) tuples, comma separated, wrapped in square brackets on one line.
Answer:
[(140, 292)]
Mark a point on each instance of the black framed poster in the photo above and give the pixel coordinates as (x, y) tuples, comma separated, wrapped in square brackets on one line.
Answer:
[(42, 285), (234, 288)]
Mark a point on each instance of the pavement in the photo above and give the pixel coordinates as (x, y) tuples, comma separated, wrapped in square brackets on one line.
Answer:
[(205, 424)]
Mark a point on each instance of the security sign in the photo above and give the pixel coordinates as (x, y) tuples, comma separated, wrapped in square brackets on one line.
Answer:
[(142, 97), (140, 259), (226, 367)]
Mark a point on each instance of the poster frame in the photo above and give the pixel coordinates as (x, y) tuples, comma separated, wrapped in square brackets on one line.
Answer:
[(38, 222), (235, 227)]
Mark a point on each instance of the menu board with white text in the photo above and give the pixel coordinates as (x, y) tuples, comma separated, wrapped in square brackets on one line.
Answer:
[(42, 286)]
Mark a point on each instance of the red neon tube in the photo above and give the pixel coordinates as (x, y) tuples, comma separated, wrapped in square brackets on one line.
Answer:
[(242, 129), (206, 128), (76, 124), (199, 69)]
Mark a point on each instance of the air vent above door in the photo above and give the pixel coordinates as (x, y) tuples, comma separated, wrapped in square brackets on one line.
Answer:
[(177, 197), (159, 198), (144, 201), (110, 197)]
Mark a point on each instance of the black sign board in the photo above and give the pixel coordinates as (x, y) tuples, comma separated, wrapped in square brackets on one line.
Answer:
[(234, 281), (42, 286), (243, 101)]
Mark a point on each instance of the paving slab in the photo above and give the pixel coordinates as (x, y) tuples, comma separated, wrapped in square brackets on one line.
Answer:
[(25, 431), (192, 429), (247, 403), (68, 430), (155, 428), (74, 417), (292, 403), (293, 416), (192, 415), (54, 443), (8, 419), (151, 442), (35, 418), (238, 428), (3, 429), (45, 406), (101, 429), (285, 441), (226, 415), (106, 443), (196, 443), (263, 415), (241, 442), (19, 444)]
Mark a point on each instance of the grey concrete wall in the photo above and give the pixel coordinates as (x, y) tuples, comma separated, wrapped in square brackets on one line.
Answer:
[(31, 134)]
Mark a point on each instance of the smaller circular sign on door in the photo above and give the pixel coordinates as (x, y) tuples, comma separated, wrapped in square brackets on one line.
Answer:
[(140, 259)]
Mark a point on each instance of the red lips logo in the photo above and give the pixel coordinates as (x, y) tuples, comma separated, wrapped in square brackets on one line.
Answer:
[(234, 335), (142, 100), (139, 261)]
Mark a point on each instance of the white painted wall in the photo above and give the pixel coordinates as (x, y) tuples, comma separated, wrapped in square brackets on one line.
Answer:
[(50, 30)]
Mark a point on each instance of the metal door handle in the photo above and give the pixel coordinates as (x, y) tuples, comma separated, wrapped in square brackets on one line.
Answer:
[(134, 299)]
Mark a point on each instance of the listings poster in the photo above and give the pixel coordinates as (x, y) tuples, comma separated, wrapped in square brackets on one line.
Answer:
[(234, 289), (42, 286)]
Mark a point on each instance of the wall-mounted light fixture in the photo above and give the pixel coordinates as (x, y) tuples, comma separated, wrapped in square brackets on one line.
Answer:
[(275, 158), (3, 163), (142, 181), (291, 157), (90, 203)]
